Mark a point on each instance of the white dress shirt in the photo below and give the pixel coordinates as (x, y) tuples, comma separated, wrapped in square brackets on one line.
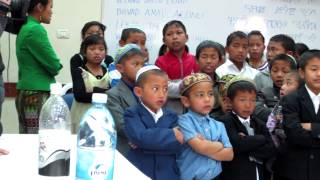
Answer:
[(156, 116), (315, 99), (242, 120), (229, 68)]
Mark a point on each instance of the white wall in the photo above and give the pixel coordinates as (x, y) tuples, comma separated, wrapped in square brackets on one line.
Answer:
[(67, 14)]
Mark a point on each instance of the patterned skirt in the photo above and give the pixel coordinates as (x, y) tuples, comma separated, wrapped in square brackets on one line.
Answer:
[(29, 104)]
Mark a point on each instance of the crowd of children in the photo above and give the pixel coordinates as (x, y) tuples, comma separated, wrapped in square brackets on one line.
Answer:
[(224, 113)]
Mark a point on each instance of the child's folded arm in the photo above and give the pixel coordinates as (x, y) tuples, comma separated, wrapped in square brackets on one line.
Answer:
[(205, 147), (225, 154), (243, 143), (150, 139), (267, 150), (296, 134)]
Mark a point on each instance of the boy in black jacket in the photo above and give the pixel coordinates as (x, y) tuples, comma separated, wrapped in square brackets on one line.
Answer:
[(249, 136)]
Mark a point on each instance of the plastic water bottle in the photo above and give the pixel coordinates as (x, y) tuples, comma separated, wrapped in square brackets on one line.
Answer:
[(96, 142), (54, 135)]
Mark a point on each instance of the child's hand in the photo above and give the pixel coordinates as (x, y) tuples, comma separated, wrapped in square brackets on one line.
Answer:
[(241, 134), (133, 146), (178, 134), (200, 137), (306, 126), (3, 152)]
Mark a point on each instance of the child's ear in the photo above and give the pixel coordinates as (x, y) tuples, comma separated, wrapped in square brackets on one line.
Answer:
[(187, 37), (138, 91), (185, 101), (119, 67), (301, 73), (121, 43)]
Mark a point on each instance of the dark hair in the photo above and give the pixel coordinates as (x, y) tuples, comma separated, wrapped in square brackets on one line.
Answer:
[(286, 58), (256, 33), (144, 76), (90, 24), (307, 56), (208, 44), (162, 50), (173, 23), (234, 35), (286, 42), (301, 48), (243, 86), (92, 40), (34, 3), (125, 34), (297, 76)]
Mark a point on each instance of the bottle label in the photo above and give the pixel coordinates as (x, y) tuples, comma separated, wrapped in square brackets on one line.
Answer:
[(95, 163), (54, 145)]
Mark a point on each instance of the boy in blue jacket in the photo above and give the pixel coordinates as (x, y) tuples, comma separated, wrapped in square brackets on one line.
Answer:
[(151, 129)]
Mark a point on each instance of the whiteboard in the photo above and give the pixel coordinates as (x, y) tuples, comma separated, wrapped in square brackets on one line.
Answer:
[(212, 19)]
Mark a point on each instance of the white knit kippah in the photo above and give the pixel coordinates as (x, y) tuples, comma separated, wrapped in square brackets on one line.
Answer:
[(145, 69)]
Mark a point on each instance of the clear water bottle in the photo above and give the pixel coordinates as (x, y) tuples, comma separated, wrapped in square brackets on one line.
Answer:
[(54, 135), (96, 142)]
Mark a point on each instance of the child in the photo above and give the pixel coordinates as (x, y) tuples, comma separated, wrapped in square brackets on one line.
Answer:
[(249, 137), (177, 63), (291, 82), (89, 78), (300, 49), (90, 28), (129, 59), (128, 35), (209, 57), (301, 122), (224, 105), (256, 48), (278, 44), (151, 129), (279, 67), (206, 140), (237, 48)]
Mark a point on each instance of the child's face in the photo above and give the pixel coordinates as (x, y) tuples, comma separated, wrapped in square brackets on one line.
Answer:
[(273, 49), (238, 50), (208, 60), (175, 38), (200, 98), (154, 92), (256, 47), (278, 71), (138, 39), (290, 84), (311, 75), (95, 53), (93, 30), (244, 103), (130, 67)]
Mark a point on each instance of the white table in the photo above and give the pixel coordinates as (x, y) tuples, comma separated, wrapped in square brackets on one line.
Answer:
[(22, 161)]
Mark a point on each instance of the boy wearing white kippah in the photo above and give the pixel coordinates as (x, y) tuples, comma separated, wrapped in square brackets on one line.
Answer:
[(151, 129)]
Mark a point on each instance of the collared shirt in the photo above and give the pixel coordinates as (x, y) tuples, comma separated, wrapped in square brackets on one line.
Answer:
[(229, 68), (242, 120), (177, 68), (193, 165), (315, 99), (247, 120), (156, 116)]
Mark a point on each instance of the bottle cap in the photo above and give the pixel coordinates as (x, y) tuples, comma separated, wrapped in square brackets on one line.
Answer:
[(99, 98), (56, 88)]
